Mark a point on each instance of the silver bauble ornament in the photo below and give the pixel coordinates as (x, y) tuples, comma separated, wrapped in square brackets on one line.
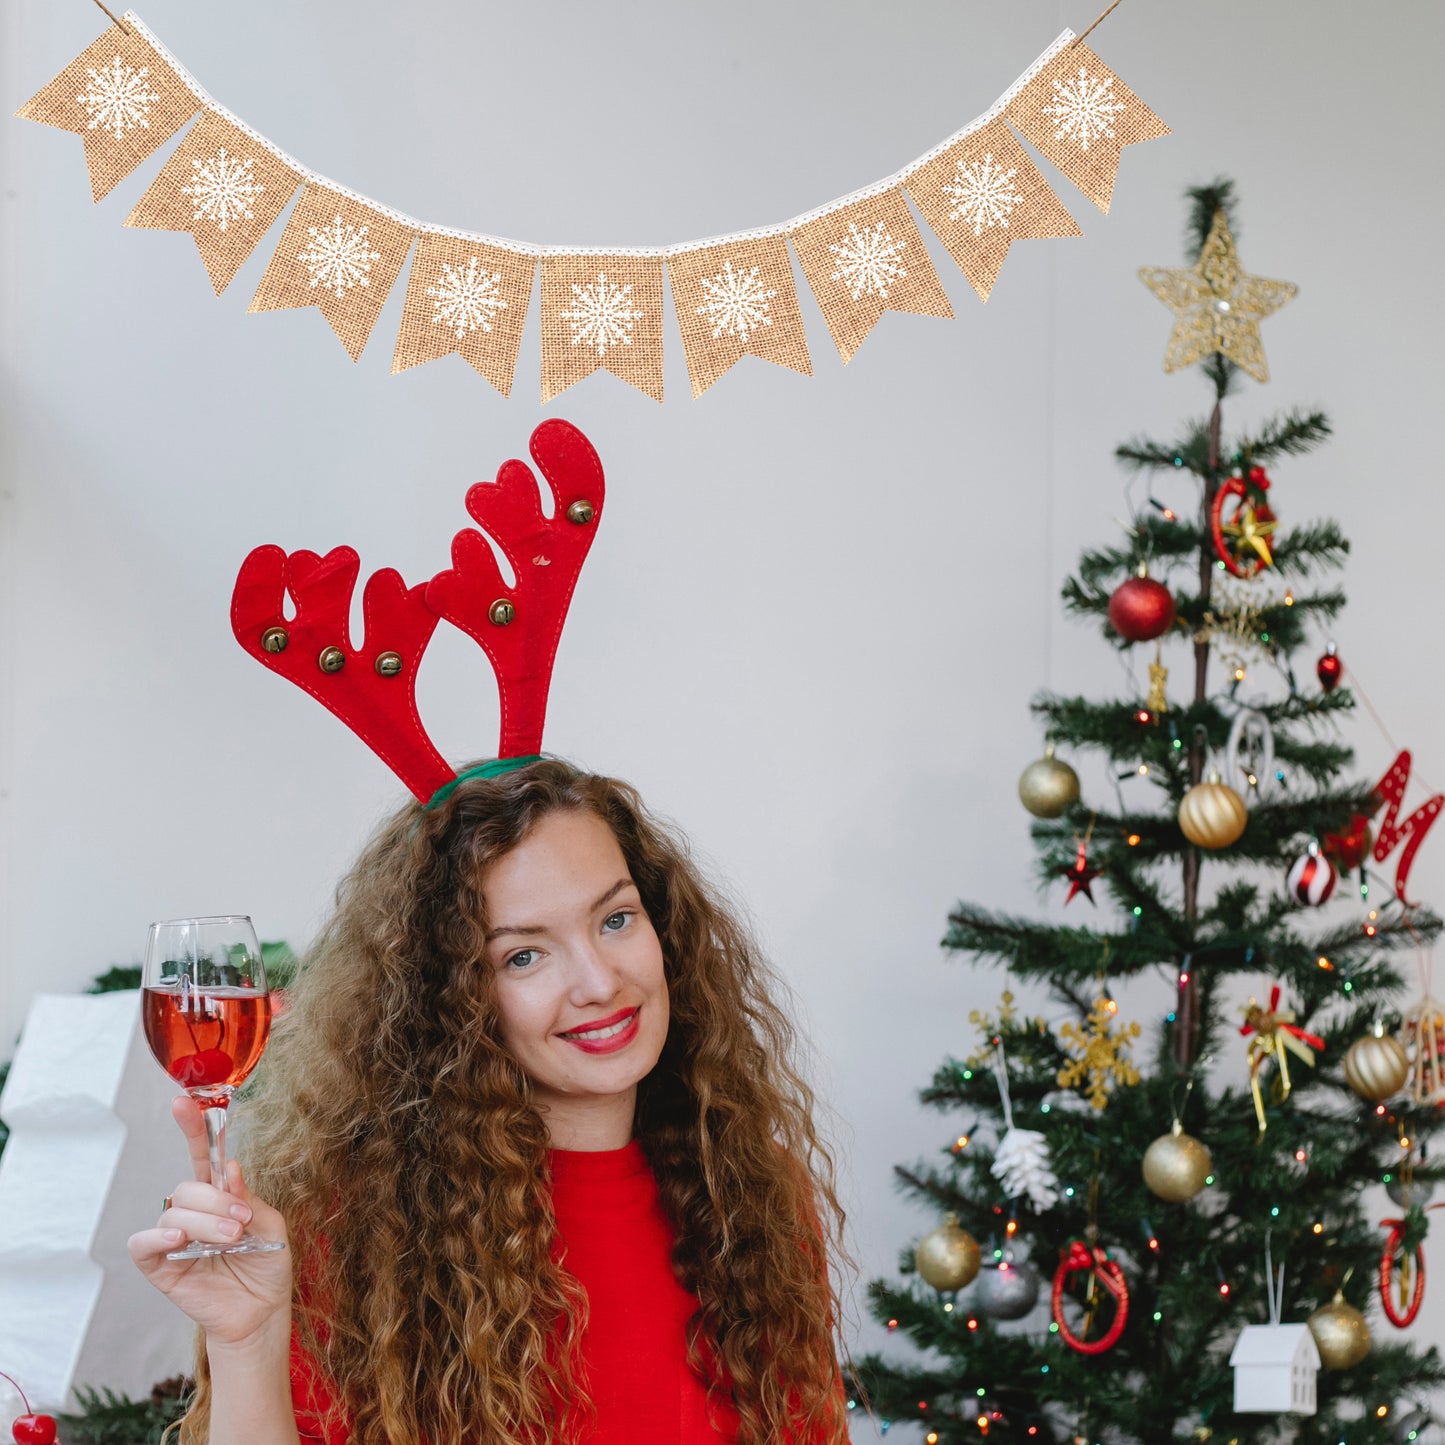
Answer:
[(1212, 814), (1377, 1065), (948, 1258), (1341, 1334), (1007, 1291), (1049, 788), (1176, 1165), (1418, 1191), (1417, 1426)]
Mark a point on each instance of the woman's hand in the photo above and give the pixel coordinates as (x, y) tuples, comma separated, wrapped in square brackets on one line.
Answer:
[(235, 1298)]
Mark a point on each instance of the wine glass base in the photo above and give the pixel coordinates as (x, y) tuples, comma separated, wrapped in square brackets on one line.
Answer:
[(247, 1244)]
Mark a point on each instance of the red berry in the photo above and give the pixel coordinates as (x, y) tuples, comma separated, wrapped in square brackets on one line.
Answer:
[(209, 1066), (34, 1430)]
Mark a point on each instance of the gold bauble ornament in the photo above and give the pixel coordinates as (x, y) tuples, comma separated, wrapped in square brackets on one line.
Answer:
[(1049, 788), (1377, 1065), (1341, 1333), (948, 1258), (1176, 1165), (1212, 814)]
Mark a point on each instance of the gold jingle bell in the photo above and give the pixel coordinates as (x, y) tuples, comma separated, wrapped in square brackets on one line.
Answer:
[(1048, 787), (1377, 1065), (1341, 1333), (1212, 814), (948, 1258), (1177, 1165)]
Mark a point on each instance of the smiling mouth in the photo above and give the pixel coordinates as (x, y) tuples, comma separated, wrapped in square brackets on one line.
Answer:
[(604, 1029)]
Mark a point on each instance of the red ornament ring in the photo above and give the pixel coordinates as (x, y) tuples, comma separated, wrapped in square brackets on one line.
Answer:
[(1236, 487), (1077, 1258), (1400, 1319)]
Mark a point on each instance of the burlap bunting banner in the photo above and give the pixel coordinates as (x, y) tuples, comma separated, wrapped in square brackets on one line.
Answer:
[(121, 98), (735, 299), (338, 256), (865, 259), (469, 292), (1081, 116), (224, 189), (601, 313), (981, 195), (467, 298)]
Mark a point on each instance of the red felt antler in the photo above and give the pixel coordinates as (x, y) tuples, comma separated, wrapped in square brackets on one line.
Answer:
[(372, 689), (519, 626)]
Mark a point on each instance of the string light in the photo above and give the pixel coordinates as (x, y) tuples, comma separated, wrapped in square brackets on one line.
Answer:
[(948, 1308), (1143, 770), (1289, 599), (1317, 1227), (892, 1324), (960, 1144), (1382, 1411), (1239, 674), (973, 1325), (1133, 840), (1143, 715), (1274, 1211), (1183, 978), (1300, 1156), (1325, 964), (1157, 1316)]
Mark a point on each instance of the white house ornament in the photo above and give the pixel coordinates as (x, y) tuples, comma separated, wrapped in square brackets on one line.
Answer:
[(1217, 307), (1275, 1368)]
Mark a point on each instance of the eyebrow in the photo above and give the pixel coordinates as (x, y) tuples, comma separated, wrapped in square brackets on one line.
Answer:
[(607, 897)]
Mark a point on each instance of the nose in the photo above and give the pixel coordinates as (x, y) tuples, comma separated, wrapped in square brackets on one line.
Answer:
[(592, 979)]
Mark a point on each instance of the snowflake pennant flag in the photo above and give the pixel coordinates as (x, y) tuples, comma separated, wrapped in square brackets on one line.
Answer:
[(222, 187), (983, 194), (737, 299), (467, 298), (122, 98), (339, 256), (601, 312), (865, 259), (1081, 116)]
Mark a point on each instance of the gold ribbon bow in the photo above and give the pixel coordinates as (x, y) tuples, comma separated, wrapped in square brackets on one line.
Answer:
[(1276, 1036)]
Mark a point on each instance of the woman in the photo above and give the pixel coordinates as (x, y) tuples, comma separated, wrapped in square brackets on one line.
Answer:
[(532, 1131)]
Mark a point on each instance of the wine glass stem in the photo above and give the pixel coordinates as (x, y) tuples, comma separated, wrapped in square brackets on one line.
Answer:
[(215, 1117)]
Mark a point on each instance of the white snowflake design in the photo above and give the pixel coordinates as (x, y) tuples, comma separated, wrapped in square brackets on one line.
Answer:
[(1085, 108), (984, 194), (601, 315), (222, 189), (869, 261), (119, 99), (735, 302), (339, 257), (465, 300)]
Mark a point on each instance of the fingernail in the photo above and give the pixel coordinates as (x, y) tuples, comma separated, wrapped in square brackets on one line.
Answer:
[(172, 1236), (239, 1211), (229, 1228)]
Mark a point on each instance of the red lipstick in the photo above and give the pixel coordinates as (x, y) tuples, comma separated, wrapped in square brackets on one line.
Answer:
[(613, 1042)]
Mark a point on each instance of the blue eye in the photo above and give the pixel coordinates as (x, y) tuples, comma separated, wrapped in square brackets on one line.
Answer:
[(616, 922), (521, 959)]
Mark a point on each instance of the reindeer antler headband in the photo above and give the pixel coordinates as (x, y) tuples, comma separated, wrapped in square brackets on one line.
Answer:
[(372, 688)]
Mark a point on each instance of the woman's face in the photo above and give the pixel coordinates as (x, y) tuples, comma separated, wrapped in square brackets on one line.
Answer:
[(579, 977)]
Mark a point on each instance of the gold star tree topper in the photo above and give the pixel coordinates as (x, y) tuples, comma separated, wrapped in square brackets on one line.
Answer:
[(1216, 306)]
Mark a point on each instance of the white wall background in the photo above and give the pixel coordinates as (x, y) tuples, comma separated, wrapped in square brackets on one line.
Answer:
[(815, 617)]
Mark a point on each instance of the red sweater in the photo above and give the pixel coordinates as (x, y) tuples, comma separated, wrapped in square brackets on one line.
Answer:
[(617, 1242)]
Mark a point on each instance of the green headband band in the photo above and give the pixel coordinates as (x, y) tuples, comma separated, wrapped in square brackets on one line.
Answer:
[(494, 768)]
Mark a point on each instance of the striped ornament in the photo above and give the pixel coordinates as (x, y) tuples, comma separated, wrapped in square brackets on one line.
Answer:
[(1311, 879)]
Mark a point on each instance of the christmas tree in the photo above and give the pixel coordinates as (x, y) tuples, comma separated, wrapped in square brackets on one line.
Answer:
[(1157, 1259)]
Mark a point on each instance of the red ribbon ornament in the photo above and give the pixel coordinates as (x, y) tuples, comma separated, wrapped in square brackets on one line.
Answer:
[(1250, 525), (1079, 1257), (1405, 1315)]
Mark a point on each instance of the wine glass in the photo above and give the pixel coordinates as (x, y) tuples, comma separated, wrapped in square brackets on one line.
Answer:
[(206, 1013)]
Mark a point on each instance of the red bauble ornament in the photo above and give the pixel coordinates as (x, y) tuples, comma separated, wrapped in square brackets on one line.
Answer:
[(1141, 609), (1329, 669), (1080, 1256), (1312, 878), (1349, 848)]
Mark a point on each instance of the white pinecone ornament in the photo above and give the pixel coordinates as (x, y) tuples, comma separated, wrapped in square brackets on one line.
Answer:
[(1021, 1165)]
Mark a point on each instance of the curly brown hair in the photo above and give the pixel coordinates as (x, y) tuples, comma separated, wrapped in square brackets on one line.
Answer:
[(437, 1311)]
